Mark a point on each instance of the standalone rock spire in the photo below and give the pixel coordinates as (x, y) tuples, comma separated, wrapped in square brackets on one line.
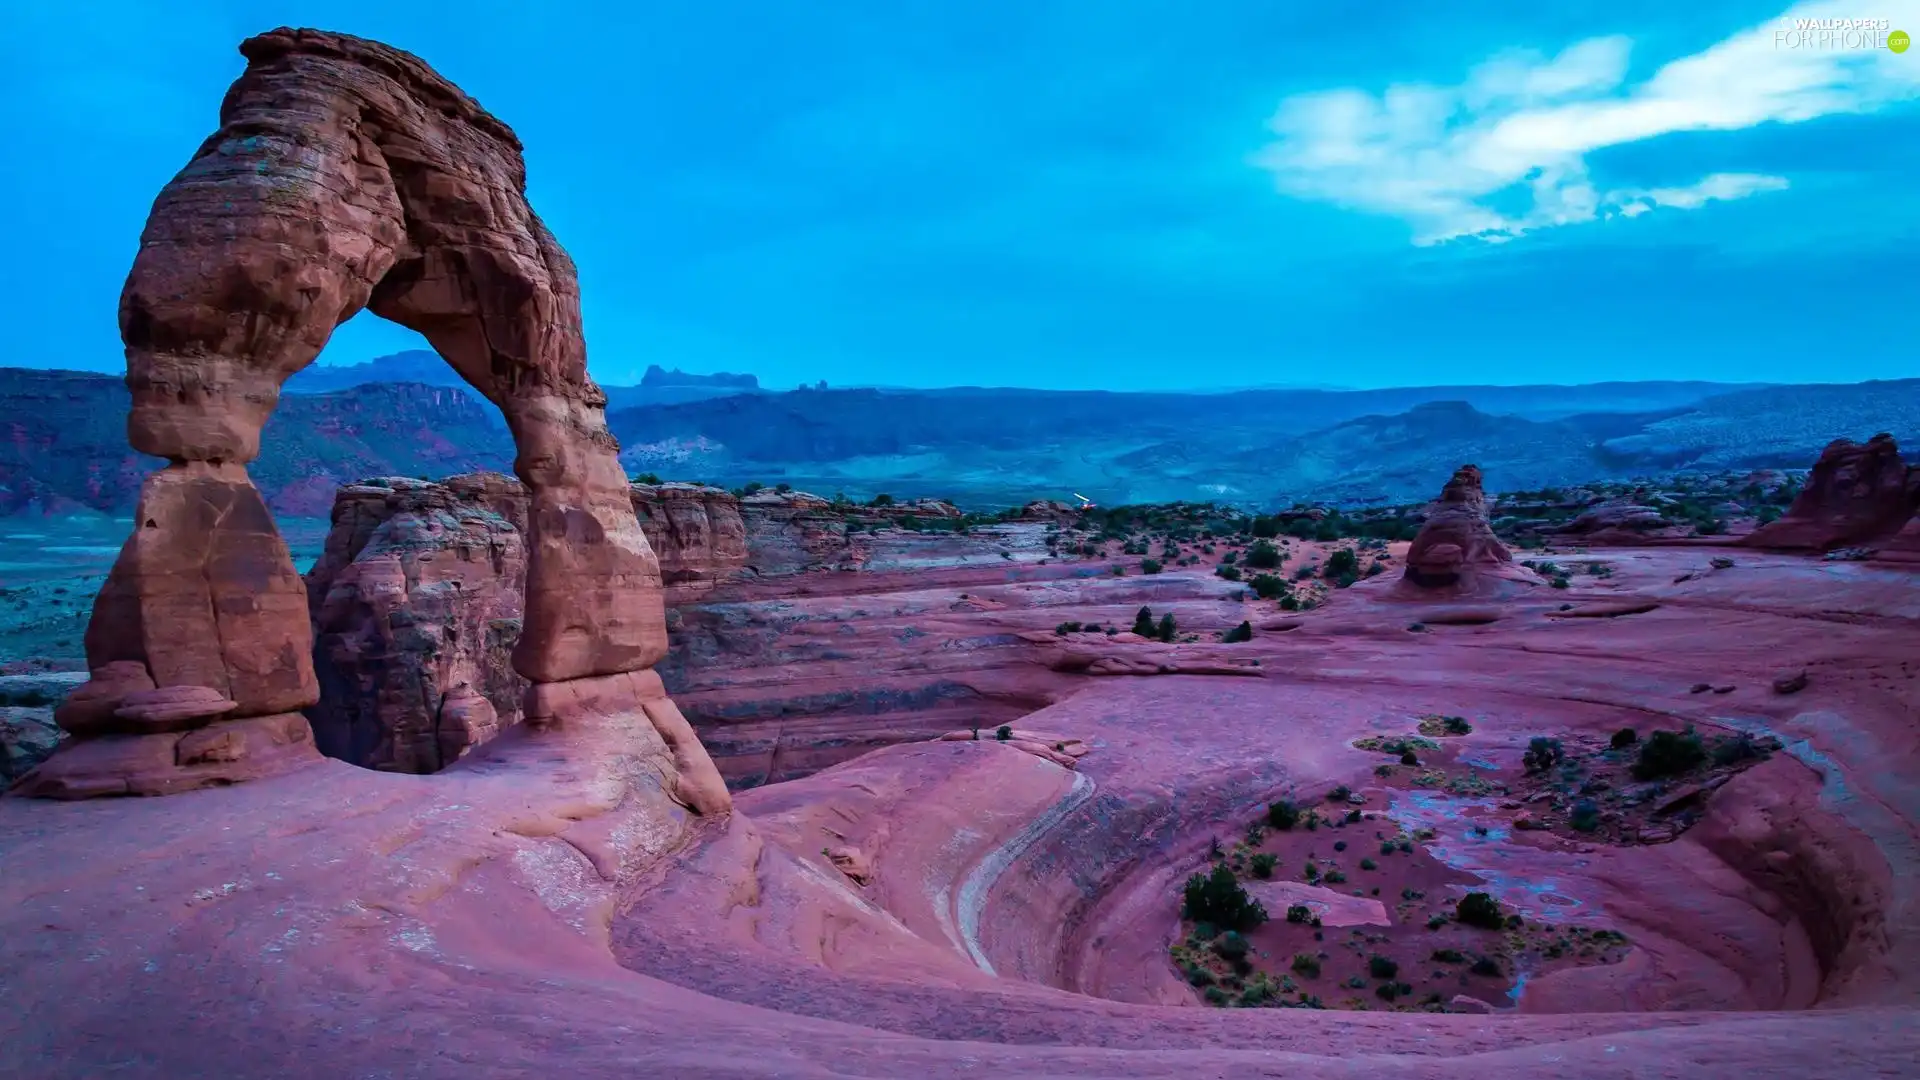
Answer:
[(345, 175), (1456, 546), (1857, 493)]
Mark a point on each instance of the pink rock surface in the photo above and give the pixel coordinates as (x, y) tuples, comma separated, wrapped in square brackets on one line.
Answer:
[(546, 903), (1330, 907)]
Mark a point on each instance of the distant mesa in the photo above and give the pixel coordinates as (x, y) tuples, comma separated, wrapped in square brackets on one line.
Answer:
[(658, 376)]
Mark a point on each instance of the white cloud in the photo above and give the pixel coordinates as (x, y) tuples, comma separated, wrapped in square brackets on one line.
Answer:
[(1504, 153)]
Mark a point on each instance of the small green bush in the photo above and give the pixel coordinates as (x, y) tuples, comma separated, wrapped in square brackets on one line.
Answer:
[(1218, 898), (1230, 946), (1263, 556), (1266, 586), (1003, 733), (1263, 864), (1481, 910), (1624, 738), (1449, 956), (1143, 622), (1488, 966), (1243, 632), (1542, 754), (1369, 864), (1668, 753), (1307, 964), (1227, 573), (1150, 566), (1382, 967), (1299, 913), (1283, 814)]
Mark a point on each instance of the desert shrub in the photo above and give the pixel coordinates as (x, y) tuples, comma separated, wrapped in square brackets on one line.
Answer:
[(1230, 946), (1283, 814), (1542, 754), (1143, 622), (1456, 725), (1228, 573), (1382, 967), (1449, 956), (1216, 996), (1342, 562), (1307, 964), (1668, 753), (882, 499), (647, 478), (1243, 632), (1409, 758), (1299, 913), (1624, 738), (1263, 556), (1228, 558), (1305, 573), (1150, 566), (1339, 794), (1066, 628), (1003, 733), (1199, 976), (1167, 629), (1585, 816), (1266, 528), (1336, 877), (1369, 864), (1218, 898), (1263, 864), (1481, 910), (1488, 966), (1736, 748), (1267, 586), (1289, 602)]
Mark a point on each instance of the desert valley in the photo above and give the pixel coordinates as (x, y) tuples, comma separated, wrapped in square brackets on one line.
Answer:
[(486, 725)]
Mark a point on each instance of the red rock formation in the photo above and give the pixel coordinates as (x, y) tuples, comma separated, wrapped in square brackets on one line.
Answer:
[(696, 530), (345, 175), (1858, 493), (1456, 549), (416, 605)]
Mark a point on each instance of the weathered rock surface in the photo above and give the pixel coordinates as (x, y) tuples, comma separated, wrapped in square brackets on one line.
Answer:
[(1612, 522), (1456, 549), (1858, 493), (416, 603)]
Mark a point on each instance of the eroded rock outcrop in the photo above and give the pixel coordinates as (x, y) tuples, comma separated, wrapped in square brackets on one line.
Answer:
[(416, 606), (345, 175), (1456, 549), (1857, 493)]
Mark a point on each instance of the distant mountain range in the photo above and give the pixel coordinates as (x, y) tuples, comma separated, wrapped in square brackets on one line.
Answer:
[(657, 387), (65, 446)]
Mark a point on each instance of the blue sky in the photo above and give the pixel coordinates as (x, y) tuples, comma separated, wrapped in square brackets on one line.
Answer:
[(1121, 195)]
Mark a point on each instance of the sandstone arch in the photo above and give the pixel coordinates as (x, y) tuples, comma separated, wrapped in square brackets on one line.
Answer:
[(345, 175)]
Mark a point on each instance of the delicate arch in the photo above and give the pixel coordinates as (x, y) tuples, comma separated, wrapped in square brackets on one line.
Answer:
[(347, 175)]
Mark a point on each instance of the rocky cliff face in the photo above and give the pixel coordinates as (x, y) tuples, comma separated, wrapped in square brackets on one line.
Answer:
[(63, 444), (418, 598), (416, 604), (1858, 493)]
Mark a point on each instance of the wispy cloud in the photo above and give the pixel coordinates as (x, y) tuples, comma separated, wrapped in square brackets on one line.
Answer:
[(1504, 153)]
